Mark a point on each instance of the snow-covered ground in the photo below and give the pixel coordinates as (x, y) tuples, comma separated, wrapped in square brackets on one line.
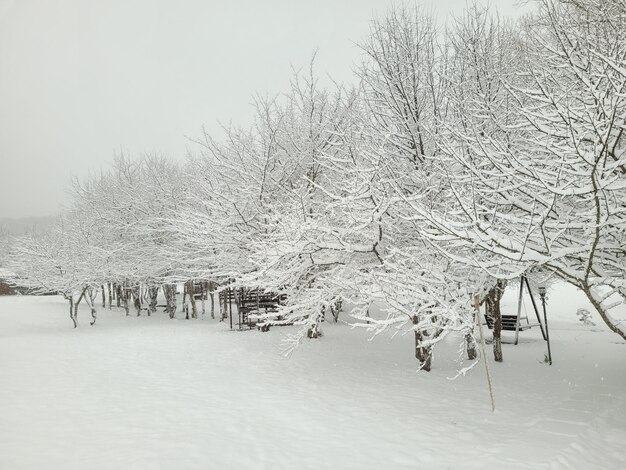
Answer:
[(154, 393)]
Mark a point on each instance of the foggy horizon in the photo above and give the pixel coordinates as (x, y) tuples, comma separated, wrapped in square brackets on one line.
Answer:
[(84, 81)]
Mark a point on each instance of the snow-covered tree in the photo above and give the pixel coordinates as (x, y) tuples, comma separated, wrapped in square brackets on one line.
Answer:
[(62, 260), (406, 79), (534, 173)]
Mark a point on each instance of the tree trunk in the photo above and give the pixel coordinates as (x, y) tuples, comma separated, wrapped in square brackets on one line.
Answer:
[(119, 295), (335, 308), (90, 298), (203, 297), (75, 315), (492, 304), (72, 317), (471, 347), (153, 293), (211, 288), (185, 303), (192, 299), (314, 331), (110, 295), (170, 299), (104, 300), (126, 296), (226, 302), (136, 293), (424, 354)]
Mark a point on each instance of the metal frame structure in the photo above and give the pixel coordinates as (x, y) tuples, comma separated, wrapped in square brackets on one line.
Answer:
[(511, 323), (518, 326)]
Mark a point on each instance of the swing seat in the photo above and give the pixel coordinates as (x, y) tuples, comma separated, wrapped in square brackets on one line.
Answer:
[(519, 322), (509, 323)]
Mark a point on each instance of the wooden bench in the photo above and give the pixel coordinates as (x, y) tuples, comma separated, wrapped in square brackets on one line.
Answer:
[(252, 302)]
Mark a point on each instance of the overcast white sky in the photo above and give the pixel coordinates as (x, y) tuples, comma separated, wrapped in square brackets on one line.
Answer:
[(80, 80)]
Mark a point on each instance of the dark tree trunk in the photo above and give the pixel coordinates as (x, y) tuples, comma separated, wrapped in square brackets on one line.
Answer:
[(126, 298), (153, 293), (314, 331), (185, 304), (94, 315), (74, 308), (110, 295), (136, 293), (119, 295), (104, 300), (211, 290), (471, 347), (170, 299), (203, 296), (492, 304), (90, 298), (226, 303), (424, 354), (72, 317), (335, 308), (192, 299)]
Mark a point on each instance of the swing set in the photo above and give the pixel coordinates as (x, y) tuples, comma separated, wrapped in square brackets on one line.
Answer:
[(520, 322)]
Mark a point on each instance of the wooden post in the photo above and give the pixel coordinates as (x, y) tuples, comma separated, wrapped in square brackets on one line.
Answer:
[(482, 344), (231, 307)]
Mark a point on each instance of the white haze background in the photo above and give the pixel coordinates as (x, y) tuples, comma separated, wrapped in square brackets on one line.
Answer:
[(83, 80)]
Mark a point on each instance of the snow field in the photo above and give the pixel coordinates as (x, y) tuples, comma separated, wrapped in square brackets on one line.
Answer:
[(155, 393)]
